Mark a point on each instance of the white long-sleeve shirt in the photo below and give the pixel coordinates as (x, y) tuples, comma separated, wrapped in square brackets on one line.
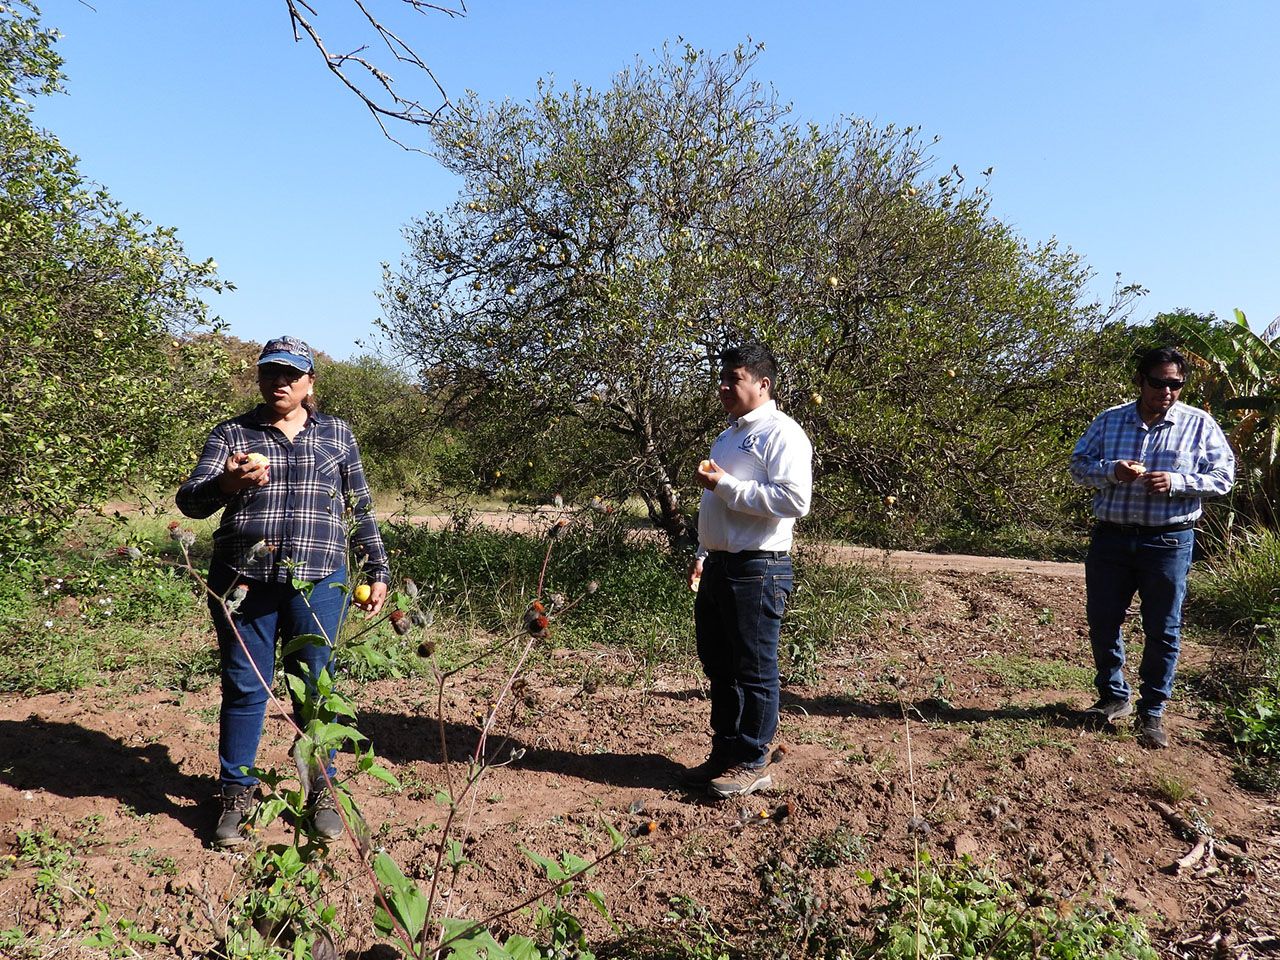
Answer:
[(769, 460)]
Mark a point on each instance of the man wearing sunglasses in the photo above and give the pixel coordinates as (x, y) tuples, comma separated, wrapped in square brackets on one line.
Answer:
[(1149, 463)]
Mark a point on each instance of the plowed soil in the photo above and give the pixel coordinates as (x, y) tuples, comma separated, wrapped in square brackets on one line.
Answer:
[(953, 726)]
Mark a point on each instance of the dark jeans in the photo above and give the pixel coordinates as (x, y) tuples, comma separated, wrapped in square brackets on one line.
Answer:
[(1156, 567), (737, 615), (270, 612)]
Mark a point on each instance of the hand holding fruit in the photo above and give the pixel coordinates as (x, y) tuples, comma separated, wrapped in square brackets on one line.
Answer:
[(709, 474), (369, 597), (1129, 470), (245, 470), (695, 574)]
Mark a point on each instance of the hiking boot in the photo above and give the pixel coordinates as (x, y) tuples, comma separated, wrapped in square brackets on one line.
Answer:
[(237, 803), (700, 777), (325, 819), (739, 781), (1151, 732), (1108, 709)]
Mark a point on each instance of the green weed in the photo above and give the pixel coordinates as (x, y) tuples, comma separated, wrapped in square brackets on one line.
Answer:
[(963, 910), (1027, 673)]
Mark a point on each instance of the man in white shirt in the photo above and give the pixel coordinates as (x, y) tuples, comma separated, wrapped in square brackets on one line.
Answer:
[(756, 484)]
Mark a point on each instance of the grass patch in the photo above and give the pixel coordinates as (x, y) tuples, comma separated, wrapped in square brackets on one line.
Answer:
[(1029, 674), (993, 742), (85, 612)]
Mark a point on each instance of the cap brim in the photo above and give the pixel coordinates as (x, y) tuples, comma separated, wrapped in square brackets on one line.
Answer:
[(289, 359)]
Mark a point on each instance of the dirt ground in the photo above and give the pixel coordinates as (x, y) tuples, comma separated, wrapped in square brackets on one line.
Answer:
[(953, 725)]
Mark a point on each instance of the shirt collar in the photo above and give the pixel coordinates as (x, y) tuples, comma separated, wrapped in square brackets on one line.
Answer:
[(1170, 416), (751, 416)]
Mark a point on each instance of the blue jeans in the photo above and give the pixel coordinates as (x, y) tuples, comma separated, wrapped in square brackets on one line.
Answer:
[(737, 616), (1156, 567), (270, 612)]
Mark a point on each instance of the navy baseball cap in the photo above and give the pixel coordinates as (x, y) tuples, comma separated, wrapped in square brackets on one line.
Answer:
[(287, 350)]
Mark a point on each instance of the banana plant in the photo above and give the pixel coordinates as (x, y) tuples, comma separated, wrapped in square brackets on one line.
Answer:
[(1239, 382)]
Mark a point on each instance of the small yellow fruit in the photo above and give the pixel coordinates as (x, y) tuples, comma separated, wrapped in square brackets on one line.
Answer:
[(542, 248), (362, 593), (258, 458), (890, 500), (511, 290), (951, 373), (705, 466), (816, 398), (476, 285), (833, 282)]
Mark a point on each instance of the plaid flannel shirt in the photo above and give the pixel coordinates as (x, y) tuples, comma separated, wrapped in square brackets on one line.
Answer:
[(1187, 443), (317, 501)]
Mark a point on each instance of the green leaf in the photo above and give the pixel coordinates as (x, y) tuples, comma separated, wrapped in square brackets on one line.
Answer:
[(550, 867), (475, 945), (407, 902)]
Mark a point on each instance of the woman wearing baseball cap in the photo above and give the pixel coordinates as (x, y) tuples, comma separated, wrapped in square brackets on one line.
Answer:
[(292, 489)]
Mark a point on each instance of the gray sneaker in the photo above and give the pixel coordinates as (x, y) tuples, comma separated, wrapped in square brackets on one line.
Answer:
[(1151, 732), (237, 803), (739, 781), (325, 819), (1108, 709)]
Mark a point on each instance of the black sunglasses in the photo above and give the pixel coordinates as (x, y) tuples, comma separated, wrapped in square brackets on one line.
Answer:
[(1174, 385), (274, 371)]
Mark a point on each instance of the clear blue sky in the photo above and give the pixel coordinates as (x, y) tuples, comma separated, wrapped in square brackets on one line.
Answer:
[(1141, 133)]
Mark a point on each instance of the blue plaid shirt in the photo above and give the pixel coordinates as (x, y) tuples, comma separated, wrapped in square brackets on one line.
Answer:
[(316, 501), (1187, 443)]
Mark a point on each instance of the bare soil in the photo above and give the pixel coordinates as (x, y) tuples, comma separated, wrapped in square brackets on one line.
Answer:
[(954, 725)]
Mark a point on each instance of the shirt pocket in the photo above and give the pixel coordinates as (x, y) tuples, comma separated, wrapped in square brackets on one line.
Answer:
[(1170, 461)]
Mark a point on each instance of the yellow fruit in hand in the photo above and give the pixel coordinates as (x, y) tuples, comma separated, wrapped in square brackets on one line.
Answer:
[(362, 593), (257, 458), (705, 466)]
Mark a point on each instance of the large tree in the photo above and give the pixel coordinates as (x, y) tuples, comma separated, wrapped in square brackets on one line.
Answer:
[(100, 382), (608, 244)]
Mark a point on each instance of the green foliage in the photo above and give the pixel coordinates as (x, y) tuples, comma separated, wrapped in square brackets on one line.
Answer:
[(1237, 592), (1238, 587), (482, 577), (607, 244), (1238, 380), (98, 306), (832, 604), (963, 910), (69, 617), (1255, 725), (800, 921), (834, 848), (385, 411)]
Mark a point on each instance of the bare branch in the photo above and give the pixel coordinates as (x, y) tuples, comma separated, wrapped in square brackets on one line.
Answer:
[(374, 86)]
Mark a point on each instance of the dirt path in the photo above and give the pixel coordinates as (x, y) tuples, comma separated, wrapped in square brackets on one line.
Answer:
[(528, 521)]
